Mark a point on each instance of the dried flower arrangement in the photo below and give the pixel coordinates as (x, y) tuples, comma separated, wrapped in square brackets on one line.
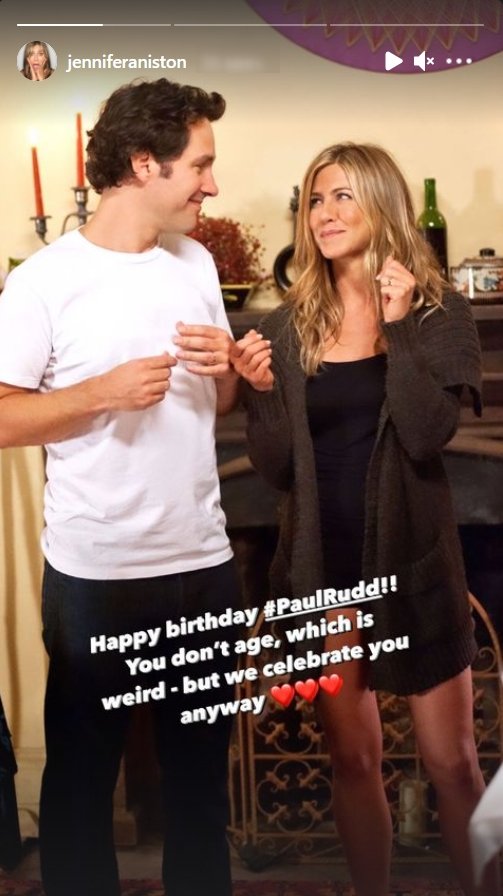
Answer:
[(236, 250)]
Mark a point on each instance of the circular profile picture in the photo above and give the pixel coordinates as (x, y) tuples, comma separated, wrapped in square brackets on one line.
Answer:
[(37, 60)]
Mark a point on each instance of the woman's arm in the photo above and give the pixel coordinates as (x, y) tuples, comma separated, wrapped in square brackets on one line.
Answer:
[(268, 434), (268, 425), (425, 408)]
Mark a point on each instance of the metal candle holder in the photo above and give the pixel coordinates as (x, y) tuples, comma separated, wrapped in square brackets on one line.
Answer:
[(41, 225), (82, 214)]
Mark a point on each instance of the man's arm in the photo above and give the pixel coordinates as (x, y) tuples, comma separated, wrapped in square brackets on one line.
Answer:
[(35, 418)]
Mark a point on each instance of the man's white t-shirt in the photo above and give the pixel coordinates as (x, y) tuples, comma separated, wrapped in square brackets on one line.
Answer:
[(136, 494)]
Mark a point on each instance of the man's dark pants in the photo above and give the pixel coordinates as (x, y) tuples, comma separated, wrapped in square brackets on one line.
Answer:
[(85, 741)]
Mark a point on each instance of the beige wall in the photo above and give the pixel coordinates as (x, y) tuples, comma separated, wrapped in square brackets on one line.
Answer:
[(447, 125)]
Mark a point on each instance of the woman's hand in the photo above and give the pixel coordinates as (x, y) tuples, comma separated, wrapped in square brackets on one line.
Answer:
[(397, 289), (251, 359), (36, 74)]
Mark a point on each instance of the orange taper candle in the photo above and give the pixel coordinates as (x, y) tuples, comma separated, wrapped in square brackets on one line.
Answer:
[(80, 153), (39, 204)]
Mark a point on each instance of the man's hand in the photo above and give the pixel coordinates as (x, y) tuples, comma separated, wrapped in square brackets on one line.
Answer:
[(136, 385), (206, 348), (251, 358), (397, 289)]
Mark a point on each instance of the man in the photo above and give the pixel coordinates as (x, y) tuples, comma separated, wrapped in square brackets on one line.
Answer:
[(114, 353)]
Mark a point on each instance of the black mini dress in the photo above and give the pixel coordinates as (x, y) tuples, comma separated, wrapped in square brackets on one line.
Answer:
[(343, 402)]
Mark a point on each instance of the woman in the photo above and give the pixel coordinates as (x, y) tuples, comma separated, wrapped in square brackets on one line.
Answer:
[(36, 61), (370, 353)]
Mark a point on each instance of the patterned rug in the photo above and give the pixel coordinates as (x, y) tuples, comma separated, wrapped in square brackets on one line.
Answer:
[(9, 887), (327, 888)]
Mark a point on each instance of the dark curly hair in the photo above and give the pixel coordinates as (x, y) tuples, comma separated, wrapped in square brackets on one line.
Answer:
[(150, 116)]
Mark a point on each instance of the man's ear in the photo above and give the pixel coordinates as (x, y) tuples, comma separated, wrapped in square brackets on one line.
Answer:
[(143, 165)]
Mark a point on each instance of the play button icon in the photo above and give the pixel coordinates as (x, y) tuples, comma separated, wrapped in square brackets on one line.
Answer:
[(391, 61)]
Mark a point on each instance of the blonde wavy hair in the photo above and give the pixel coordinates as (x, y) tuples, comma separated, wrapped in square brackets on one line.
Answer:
[(47, 70), (383, 196)]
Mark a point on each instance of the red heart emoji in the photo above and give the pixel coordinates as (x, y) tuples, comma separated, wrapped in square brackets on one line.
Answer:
[(283, 694), (332, 684), (307, 689)]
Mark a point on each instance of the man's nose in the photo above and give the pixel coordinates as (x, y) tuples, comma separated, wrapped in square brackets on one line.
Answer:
[(209, 185)]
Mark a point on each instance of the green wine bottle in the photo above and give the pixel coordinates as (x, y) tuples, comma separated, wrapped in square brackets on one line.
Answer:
[(431, 223)]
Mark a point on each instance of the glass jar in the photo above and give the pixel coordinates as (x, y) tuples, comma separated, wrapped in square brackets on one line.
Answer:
[(480, 278)]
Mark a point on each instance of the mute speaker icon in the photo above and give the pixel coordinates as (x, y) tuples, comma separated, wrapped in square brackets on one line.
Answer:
[(420, 61)]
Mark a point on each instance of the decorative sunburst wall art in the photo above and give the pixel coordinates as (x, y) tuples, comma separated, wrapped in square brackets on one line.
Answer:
[(359, 33)]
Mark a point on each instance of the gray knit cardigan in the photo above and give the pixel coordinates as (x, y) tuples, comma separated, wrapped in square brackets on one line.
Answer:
[(410, 528)]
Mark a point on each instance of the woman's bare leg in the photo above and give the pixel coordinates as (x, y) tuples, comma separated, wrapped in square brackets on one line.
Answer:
[(353, 731), (443, 720)]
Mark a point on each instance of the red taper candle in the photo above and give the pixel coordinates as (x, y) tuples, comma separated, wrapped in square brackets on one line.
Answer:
[(39, 204), (80, 154)]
